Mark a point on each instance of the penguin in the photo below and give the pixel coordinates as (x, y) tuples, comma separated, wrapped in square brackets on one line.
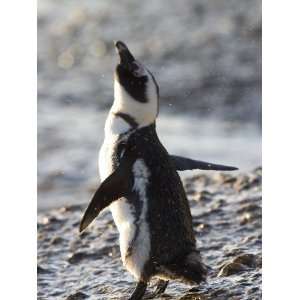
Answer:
[(142, 188)]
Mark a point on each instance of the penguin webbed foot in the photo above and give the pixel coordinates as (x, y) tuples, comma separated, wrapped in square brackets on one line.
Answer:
[(161, 286), (139, 291)]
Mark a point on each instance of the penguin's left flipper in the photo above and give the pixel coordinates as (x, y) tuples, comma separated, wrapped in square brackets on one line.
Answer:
[(183, 164), (117, 185)]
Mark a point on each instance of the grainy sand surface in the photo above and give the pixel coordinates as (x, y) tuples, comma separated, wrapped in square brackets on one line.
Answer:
[(226, 211)]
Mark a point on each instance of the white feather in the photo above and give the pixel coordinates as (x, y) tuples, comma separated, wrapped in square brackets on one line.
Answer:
[(123, 212), (141, 248), (115, 125), (143, 113)]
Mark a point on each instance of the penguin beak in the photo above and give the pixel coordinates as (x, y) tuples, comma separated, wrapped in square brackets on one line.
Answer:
[(126, 58)]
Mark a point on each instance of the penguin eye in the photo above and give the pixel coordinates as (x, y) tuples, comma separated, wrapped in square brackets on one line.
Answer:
[(136, 73), (138, 70)]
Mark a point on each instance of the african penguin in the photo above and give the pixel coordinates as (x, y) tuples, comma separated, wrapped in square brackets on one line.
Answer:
[(141, 186)]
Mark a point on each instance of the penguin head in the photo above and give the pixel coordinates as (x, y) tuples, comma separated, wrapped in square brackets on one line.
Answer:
[(135, 90)]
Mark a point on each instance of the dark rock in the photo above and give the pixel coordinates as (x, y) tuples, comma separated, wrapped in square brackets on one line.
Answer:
[(56, 240), (194, 289), (203, 228), (231, 268), (250, 212), (248, 260), (219, 294), (41, 270), (220, 203), (75, 258), (205, 196), (77, 296)]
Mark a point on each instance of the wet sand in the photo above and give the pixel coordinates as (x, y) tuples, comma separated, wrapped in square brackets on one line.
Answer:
[(226, 211)]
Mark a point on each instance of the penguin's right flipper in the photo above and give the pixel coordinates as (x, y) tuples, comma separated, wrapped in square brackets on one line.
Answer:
[(117, 185), (183, 164)]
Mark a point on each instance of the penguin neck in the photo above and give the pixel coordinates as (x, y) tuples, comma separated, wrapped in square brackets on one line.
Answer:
[(119, 123), (142, 113)]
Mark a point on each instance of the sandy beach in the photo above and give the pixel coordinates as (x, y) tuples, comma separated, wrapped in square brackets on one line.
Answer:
[(226, 211)]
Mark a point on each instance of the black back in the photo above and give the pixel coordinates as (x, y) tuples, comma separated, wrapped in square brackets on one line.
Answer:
[(168, 214)]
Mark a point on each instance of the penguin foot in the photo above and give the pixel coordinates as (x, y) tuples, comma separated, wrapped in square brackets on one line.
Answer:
[(161, 286), (139, 291)]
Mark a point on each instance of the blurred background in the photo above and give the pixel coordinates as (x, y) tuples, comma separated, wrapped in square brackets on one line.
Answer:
[(205, 56)]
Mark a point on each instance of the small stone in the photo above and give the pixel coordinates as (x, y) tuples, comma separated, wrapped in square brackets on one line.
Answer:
[(205, 196), (41, 270), (77, 257), (220, 203), (51, 220), (56, 240), (220, 293), (70, 208), (246, 218), (248, 260), (231, 268), (202, 227), (40, 236), (77, 296)]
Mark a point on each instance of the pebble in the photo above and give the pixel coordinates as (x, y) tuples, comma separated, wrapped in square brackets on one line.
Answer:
[(231, 268), (248, 260), (77, 296), (70, 208), (41, 270), (56, 240), (205, 196), (75, 258)]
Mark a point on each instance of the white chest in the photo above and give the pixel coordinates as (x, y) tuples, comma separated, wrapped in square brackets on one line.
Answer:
[(124, 213)]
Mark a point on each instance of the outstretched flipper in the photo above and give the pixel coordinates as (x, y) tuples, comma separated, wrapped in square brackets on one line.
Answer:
[(117, 185), (183, 164)]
